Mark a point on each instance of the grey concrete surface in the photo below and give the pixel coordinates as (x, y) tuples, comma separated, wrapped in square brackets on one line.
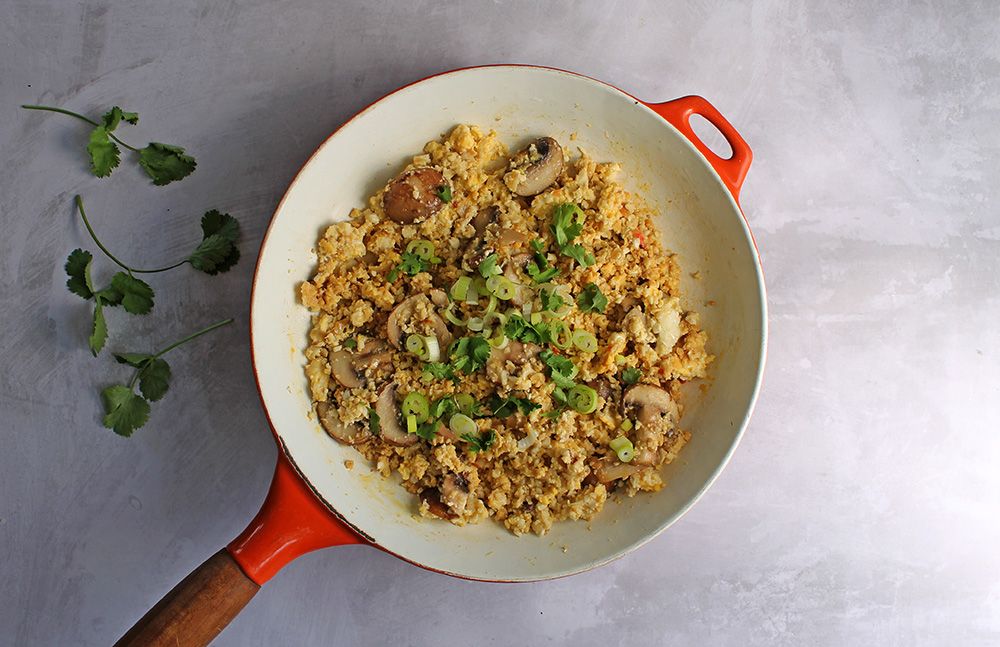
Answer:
[(863, 507)]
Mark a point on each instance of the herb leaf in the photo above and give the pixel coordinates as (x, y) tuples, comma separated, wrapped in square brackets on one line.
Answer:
[(165, 163), (217, 251), (480, 443), (374, 422), (488, 267), (592, 299), (98, 331), (124, 410), (439, 370), (137, 296), (78, 268), (444, 192), (154, 379), (469, 354), (504, 407), (104, 154), (630, 375), (579, 254), (567, 223), (551, 300), (561, 369)]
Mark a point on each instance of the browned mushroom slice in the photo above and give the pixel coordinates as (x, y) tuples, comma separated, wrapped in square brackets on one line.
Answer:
[(511, 238), (485, 217), (347, 434), (656, 412), (536, 167), (455, 493), (608, 469), (404, 311), (388, 417), (439, 297), (375, 355), (434, 505), (343, 370), (413, 196), (517, 352)]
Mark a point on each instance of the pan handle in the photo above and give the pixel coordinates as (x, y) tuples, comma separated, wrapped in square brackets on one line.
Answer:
[(291, 522), (732, 170)]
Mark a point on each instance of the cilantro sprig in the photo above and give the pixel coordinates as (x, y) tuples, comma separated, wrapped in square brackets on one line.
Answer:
[(124, 409), (216, 253), (567, 224), (538, 268), (480, 443), (562, 370), (469, 354), (410, 264), (163, 163), (508, 406), (591, 299), (630, 375)]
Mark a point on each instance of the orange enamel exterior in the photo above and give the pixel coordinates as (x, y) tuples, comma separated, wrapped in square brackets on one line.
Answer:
[(293, 521)]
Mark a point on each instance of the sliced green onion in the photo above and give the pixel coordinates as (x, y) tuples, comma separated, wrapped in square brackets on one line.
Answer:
[(433, 349), (415, 344), (465, 402), (562, 338), (411, 424), (475, 324), (585, 341), (501, 287), (462, 424), (582, 398), (491, 307), (450, 315), (626, 425), (623, 447), (460, 288), (416, 405), (526, 309), (422, 248), (472, 293), (536, 318), (500, 341)]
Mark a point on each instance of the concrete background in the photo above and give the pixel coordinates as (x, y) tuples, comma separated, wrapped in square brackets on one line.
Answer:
[(863, 507)]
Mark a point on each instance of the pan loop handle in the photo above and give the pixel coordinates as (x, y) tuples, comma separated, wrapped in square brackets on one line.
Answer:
[(732, 170), (293, 521)]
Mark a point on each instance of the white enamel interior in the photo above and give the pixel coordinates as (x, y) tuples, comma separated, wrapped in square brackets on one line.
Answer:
[(699, 221)]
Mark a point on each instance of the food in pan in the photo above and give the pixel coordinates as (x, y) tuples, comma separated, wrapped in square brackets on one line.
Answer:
[(504, 332)]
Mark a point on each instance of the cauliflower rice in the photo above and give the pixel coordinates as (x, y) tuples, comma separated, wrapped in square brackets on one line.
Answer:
[(547, 459)]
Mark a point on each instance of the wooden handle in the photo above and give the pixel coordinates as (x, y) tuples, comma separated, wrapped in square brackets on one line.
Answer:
[(197, 609)]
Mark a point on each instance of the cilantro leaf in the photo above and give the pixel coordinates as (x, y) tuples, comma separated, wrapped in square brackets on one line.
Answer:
[(116, 115), (138, 360), (427, 430), (489, 267), (630, 375), (137, 296), (469, 354), (444, 192), (567, 223), (217, 251), (438, 370), (351, 343), (579, 254), (480, 443), (104, 154), (78, 269), (592, 299), (154, 379), (98, 330), (539, 275), (444, 407), (109, 296), (551, 300), (561, 369), (124, 410), (374, 422), (504, 407), (165, 163), (412, 265)]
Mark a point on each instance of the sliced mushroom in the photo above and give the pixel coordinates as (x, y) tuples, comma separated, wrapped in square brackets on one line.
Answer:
[(376, 354), (388, 416), (343, 370), (432, 497), (608, 469), (516, 352), (404, 311), (536, 167), (455, 493), (485, 217), (334, 426), (413, 196), (602, 386), (439, 297), (511, 238), (656, 411)]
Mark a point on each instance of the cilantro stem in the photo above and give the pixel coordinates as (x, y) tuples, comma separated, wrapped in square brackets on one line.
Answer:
[(194, 335), (180, 342), (90, 121), (107, 252)]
